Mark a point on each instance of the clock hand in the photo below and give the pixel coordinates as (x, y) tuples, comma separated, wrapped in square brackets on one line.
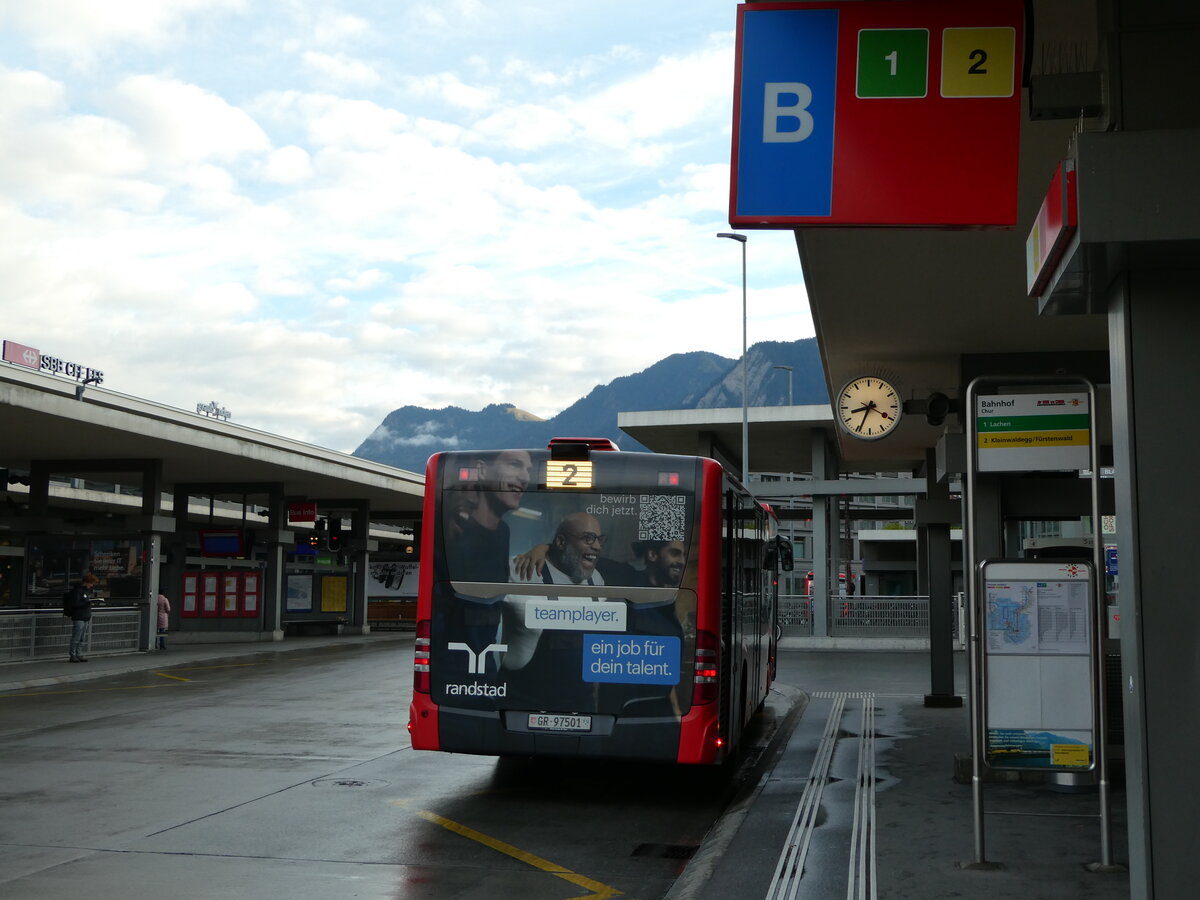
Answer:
[(866, 411)]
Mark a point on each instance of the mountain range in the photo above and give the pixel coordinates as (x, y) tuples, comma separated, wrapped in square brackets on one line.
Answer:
[(699, 380)]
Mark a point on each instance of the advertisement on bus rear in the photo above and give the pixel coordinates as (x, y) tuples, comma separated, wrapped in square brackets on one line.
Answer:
[(563, 589)]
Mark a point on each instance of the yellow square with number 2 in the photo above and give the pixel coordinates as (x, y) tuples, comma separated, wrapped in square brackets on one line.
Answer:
[(978, 62), (569, 474)]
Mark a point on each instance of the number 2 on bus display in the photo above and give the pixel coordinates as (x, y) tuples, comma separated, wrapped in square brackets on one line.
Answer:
[(575, 474)]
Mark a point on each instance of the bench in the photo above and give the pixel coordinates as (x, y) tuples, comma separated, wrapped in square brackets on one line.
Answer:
[(309, 627), (392, 615)]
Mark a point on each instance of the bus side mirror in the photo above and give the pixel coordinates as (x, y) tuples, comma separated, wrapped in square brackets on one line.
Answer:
[(786, 558)]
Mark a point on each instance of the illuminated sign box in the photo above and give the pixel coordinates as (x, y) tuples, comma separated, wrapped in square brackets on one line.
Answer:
[(877, 113), (302, 512), (221, 542), (1056, 223), (1033, 432)]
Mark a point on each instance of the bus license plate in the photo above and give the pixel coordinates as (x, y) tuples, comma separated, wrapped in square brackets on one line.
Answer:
[(546, 722)]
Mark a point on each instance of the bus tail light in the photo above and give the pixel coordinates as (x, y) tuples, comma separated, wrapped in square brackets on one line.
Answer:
[(421, 657), (704, 684)]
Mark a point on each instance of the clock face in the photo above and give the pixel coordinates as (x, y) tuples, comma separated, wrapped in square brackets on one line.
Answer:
[(869, 408)]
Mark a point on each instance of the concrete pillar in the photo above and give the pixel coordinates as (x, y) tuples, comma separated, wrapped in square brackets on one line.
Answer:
[(819, 598), (934, 517), (1153, 321), (152, 547), (360, 561), (275, 576)]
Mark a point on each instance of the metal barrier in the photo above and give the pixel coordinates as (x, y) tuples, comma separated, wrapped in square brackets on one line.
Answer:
[(795, 615), (43, 633), (879, 616), (869, 617)]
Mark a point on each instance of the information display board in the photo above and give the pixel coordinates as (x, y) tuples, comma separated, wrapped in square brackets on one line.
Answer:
[(875, 112), (1035, 432), (1039, 666)]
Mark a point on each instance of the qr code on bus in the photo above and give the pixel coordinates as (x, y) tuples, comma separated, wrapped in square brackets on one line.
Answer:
[(661, 518)]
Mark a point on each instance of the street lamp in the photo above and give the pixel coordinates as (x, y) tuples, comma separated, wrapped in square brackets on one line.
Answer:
[(787, 369), (741, 239)]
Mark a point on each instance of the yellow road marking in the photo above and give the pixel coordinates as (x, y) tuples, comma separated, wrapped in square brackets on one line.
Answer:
[(140, 687), (599, 891), (202, 668)]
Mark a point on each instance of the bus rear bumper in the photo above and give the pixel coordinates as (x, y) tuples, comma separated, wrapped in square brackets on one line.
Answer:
[(498, 733)]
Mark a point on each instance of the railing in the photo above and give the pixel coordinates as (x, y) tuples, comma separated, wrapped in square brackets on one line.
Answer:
[(868, 616), (795, 615), (44, 633), (865, 616)]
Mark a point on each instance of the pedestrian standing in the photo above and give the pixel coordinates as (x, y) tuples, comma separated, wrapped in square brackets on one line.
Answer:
[(164, 619), (77, 606)]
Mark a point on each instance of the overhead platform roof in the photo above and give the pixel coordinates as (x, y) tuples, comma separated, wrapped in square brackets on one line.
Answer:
[(780, 436), (41, 420)]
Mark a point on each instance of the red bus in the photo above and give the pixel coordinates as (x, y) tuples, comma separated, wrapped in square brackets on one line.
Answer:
[(586, 601)]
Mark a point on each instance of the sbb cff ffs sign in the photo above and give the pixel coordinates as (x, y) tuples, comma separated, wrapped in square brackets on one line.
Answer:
[(901, 112)]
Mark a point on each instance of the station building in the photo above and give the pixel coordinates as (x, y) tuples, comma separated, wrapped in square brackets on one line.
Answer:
[(251, 536)]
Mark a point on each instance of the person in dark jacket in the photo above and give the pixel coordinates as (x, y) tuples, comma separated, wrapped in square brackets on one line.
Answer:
[(77, 606)]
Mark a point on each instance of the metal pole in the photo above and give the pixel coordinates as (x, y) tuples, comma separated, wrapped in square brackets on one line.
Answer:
[(741, 239), (975, 663), (745, 394), (1099, 625)]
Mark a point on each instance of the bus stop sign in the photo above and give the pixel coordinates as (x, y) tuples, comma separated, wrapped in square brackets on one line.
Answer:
[(877, 112)]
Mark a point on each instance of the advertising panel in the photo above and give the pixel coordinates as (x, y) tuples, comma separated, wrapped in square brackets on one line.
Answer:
[(299, 593), (231, 593), (334, 590), (251, 593), (210, 593), (555, 594), (189, 595)]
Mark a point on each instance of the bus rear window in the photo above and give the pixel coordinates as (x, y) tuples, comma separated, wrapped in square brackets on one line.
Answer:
[(503, 519)]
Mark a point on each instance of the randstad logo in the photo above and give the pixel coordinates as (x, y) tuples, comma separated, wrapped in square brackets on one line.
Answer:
[(476, 662)]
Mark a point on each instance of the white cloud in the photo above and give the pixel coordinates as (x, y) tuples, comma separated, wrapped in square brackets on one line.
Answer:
[(182, 123), (80, 27), (448, 87), (341, 70), (288, 165), (526, 127), (360, 281), (334, 28), (328, 120)]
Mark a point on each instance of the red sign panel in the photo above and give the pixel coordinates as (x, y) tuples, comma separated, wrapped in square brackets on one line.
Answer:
[(1052, 230), (22, 355), (877, 112), (302, 512)]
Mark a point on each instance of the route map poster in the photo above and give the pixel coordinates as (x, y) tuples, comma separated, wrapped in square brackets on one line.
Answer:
[(1039, 668)]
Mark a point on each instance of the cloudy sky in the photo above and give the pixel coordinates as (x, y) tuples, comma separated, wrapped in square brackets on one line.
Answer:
[(316, 212)]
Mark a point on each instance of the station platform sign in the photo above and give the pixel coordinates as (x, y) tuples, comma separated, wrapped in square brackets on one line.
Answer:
[(877, 112)]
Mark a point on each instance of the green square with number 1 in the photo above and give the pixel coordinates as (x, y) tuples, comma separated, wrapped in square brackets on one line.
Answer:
[(893, 62)]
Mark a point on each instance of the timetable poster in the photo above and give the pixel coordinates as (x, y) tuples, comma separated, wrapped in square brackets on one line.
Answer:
[(1039, 666), (1038, 617)]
